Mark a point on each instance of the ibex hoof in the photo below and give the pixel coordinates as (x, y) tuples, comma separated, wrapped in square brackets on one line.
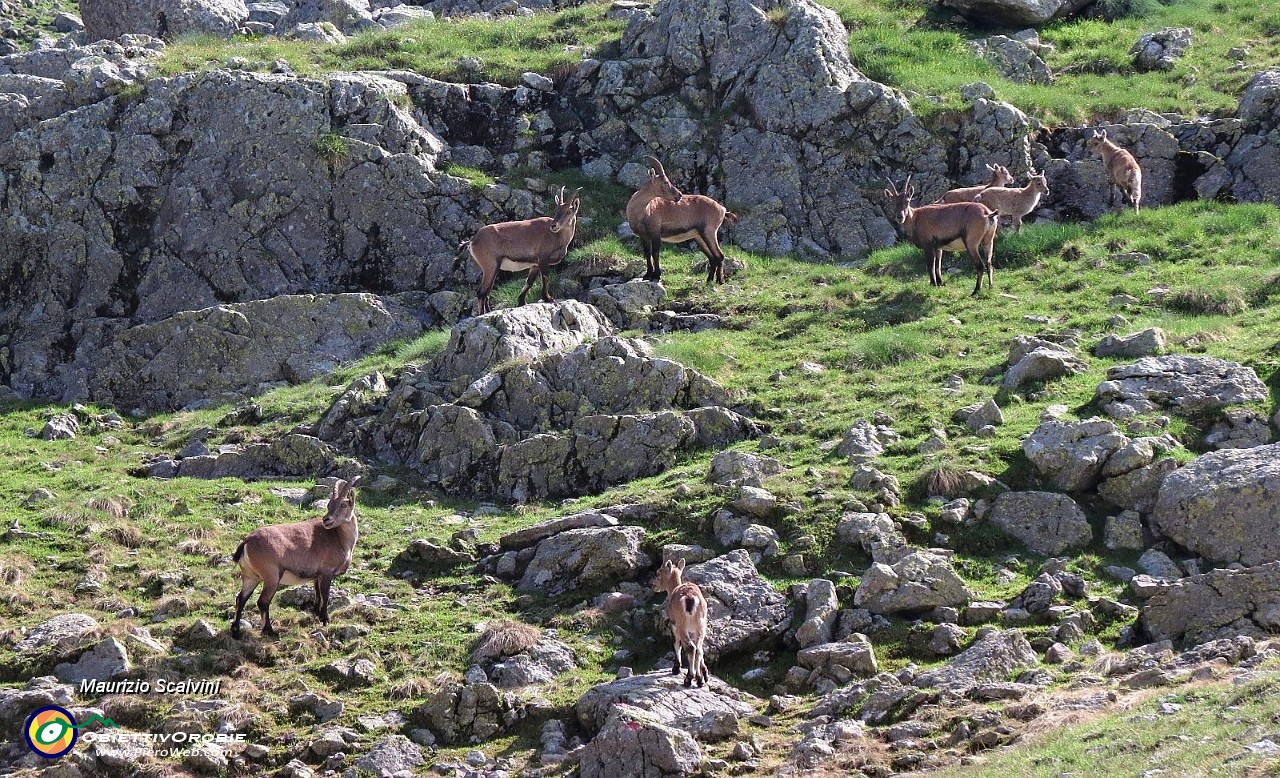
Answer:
[(689, 682), (235, 631)]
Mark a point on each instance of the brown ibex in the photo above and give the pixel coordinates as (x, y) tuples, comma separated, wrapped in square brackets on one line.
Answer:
[(531, 244), (1015, 203), (1000, 176), (969, 227), (658, 212), (1123, 171), (687, 608), (312, 551)]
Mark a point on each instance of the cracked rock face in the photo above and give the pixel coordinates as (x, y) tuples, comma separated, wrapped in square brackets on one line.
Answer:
[(1217, 604), (1184, 384), (1224, 505), (745, 610), (161, 18), (1045, 522)]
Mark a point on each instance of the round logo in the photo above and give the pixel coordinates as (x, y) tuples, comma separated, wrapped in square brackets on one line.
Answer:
[(50, 731)]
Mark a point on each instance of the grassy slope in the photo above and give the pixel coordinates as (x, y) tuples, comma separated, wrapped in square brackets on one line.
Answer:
[(887, 340)]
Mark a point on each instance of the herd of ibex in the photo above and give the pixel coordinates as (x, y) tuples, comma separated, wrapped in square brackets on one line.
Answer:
[(318, 550)]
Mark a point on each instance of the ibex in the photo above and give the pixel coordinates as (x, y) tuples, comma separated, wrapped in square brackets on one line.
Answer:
[(313, 551), (1000, 176), (658, 212), (943, 227), (1122, 169), (1015, 203), (687, 609), (531, 244)]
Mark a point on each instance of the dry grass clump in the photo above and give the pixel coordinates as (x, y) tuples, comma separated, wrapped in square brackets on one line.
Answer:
[(115, 507), (502, 639), (944, 481)]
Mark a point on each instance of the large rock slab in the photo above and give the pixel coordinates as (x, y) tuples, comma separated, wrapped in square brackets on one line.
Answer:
[(161, 18), (62, 634), (105, 661), (530, 536), (235, 349), (1072, 454), (583, 559), (1224, 506), (1045, 522), (1043, 364), (665, 696), (993, 659), (634, 743), (1184, 384), (745, 610), (1220, 603), (477, 345), (1016, 13)]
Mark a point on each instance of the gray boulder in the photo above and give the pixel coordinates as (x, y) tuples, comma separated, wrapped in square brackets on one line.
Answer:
[(64, 426), (917, 581), (821, 609), (1043, 364), (585, 558), (865, 441), (633, 743), (745, 611), (1124, 531), (235, 349), (730, 468), (1218, 604), (540, 663), (993, 659), (854, 655), (1239, 428), (1160, 50), (1149, 342), (531, 536), (1184, 384), (392, 755), (1045, 522), (1013, 59), (875, 533), (105, 661), (1259, 106), (402, 14), (348, 16), (524, 333), (1016, 13), (62, 634), (1072, 454), (110, 19), (457, 714), (628, 305), (665, 697), (1224, 506)]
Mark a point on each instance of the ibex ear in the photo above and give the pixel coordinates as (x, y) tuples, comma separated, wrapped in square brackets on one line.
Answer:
[(991, 168), (680, 564), (1102, 134), (354, 482)]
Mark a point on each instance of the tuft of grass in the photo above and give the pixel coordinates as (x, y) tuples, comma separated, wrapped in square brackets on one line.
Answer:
[(421, 348), (478, 178), (502, 639), (332, 147), (1207, 302)]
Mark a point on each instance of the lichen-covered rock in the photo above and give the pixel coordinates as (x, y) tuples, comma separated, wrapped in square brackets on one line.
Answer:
[(1224, 506), (1043, 364), (235, 349), (459, 714), (1146, 343), (821, 607), (1013, 59), (730, 468), (745, 610), (633, 743), (1160, 50), (1239, 428), (917, 581), (161, 18), (584, 559), (1136, 490), (524, 333), (994, 658), (628, 305), (1124, 530), (1072, 454), (665, 696), (1184, 384), (1221, 603), (1045, 522)]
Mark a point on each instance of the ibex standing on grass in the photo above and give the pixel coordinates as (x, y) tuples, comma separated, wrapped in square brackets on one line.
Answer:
[(687, 609), (1000, 176), (969, 227), (532, 244), (658, 212), (313, 551), (1122, 169), (1015, 202)]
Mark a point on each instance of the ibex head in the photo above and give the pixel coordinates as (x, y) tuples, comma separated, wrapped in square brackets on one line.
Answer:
[(1096, 140), (669, 575), (566, 209), (658, 178), (342, 503), (900, 200)]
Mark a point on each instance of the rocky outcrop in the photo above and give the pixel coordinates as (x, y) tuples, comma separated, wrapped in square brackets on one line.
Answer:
[(665, 697), (993, 659), (1224, 506), (1160, 50), (1016, 13), (1014, 59), (1183, 384), (1221, 603), (634, 743), (1042, 364), (745, 610), (293, 455), (459, 714), (1149, 342), (1072, 454), (910, 581), (583, 559), (109, 19), (1044, 522), (798, 120)]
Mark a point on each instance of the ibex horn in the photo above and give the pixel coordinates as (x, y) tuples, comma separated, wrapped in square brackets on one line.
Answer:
[(657, 165)]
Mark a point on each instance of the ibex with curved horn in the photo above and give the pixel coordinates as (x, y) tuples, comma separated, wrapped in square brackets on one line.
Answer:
[(531, 244), (659, 213), (969, 227), (313, 551)]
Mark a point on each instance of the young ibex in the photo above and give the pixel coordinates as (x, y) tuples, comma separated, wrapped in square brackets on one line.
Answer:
[(1015, 203), (532, 244), (1000, 176), (969, 227), (687, 609), (316, 551), (658, 212), (1122, 169)]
